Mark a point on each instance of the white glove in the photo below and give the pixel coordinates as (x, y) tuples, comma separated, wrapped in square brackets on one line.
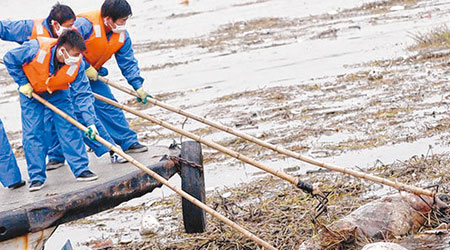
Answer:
[(92, 132)]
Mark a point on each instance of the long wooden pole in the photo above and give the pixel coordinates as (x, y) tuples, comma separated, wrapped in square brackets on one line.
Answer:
[(295, 181), (209, 143), (158, 177), (355, 173)]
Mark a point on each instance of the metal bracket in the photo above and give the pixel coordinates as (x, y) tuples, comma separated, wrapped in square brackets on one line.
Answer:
[(179, 160)]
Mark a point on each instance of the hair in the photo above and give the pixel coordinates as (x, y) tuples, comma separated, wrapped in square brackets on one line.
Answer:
[(116, 9), (61, 13), (73, 39)]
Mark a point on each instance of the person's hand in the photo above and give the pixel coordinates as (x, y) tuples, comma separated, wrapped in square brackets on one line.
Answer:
[(92, 73), (27, 90), (142, 95), (92, 132)]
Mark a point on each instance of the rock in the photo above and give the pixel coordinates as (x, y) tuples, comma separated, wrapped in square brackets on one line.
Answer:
[(149, 224), (125, 239), (226, 195), (383, 246)]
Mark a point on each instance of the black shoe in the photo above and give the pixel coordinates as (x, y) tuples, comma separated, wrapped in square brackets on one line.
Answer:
[(17, 185), (54, 164), (136, 148), (35, 186), (87, 176), (116, 158)]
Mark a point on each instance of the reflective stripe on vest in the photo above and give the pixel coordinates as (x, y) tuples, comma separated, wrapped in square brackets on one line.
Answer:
[(38, 73), (98, 49), (39, 29)]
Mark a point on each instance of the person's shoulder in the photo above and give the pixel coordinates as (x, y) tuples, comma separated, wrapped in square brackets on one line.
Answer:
[(127, 36), (18, 23), (31, 43), (82, 21)]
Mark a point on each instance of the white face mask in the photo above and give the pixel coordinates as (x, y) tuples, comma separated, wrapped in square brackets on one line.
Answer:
[(118, 28), (61, 29), (68, 59)]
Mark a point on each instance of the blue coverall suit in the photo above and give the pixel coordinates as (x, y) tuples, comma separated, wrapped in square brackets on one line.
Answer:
[(9, 171), (112, 117), (20, 31), (33, 127)]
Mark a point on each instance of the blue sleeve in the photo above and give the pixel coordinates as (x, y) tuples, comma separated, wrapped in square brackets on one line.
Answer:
[(86, 64), (16, 31), (82, 96), (84, 26), (128, 64), (17, 57)]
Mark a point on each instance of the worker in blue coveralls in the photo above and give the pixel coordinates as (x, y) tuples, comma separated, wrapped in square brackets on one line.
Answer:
[(105, 34), (10, 176), (61, 18), (48, 67)]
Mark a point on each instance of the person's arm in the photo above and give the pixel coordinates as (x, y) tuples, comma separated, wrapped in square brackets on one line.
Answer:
[(128, 64), (16, 31), (17, 57), (83, 97), (84, 26)]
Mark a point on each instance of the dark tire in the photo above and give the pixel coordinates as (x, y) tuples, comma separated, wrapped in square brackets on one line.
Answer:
[(193, 183)]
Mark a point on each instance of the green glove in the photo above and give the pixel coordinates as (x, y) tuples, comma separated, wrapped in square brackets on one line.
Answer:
[(92, 73), (142, 95), (92, 132), (27, 90)]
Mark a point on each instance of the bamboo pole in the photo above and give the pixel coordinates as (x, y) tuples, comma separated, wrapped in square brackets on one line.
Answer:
[(354, 173), (158, 177), (295, 181), (209, 143), (358, 174)]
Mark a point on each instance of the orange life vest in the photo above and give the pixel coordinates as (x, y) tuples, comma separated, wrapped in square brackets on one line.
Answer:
[(38, 73), (39, 30), (98, 49)]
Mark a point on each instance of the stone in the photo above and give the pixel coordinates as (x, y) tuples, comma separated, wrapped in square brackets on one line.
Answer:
[(149, 224)]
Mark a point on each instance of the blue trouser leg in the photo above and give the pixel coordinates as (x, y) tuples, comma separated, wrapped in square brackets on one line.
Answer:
[(54, 149), (34, 135), (9, 171), (70, 137), (98, 148), (112, 117)]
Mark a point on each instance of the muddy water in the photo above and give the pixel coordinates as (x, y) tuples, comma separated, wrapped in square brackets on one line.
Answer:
[(273, 63), (209, 49)]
